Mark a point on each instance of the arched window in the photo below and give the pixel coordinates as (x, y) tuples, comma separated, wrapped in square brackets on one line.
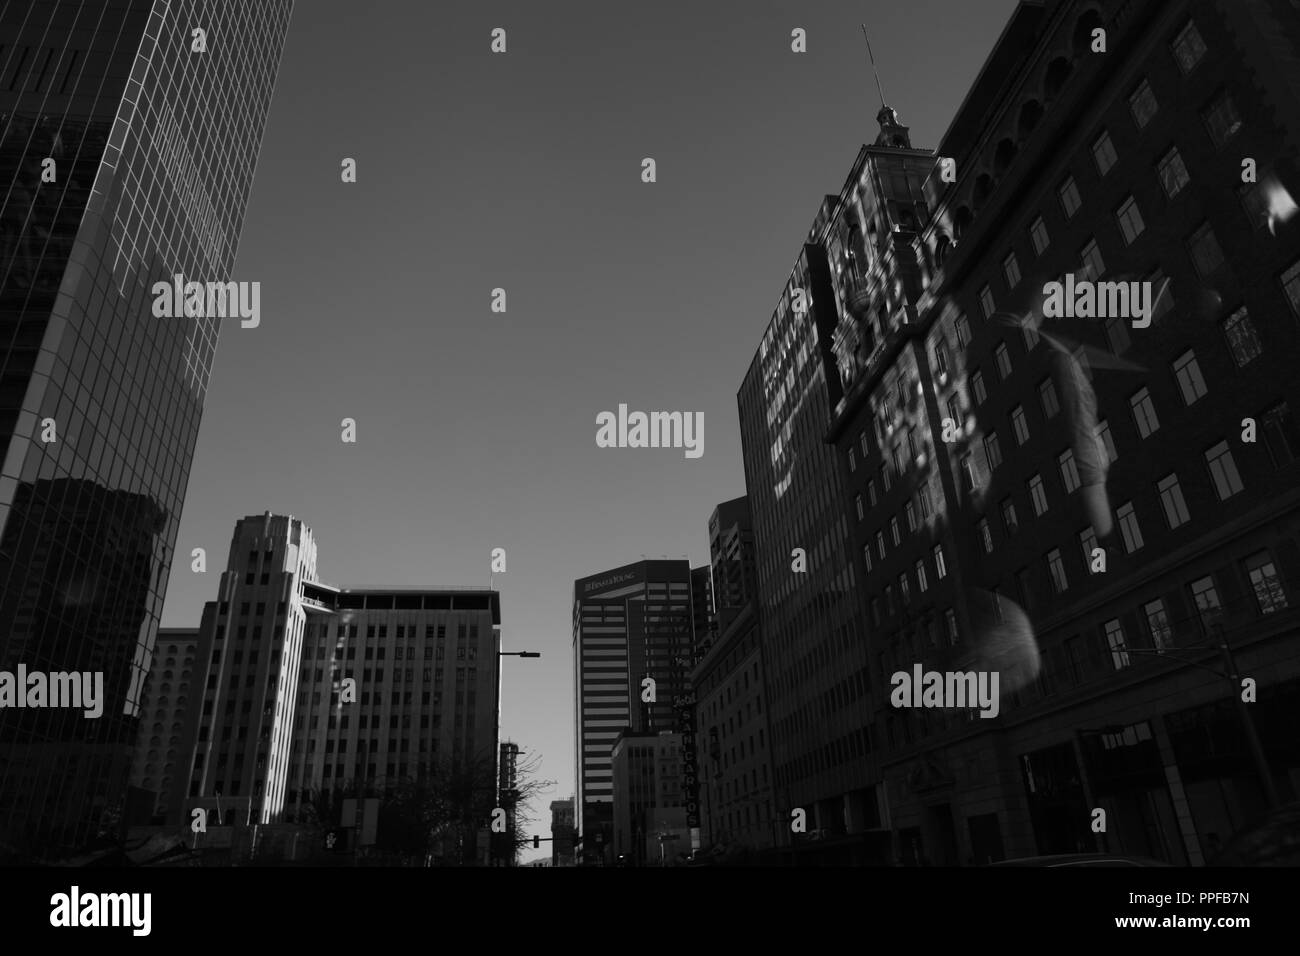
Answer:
[(1081, 42), (1058, 71), (1030, 115), (1002, 158)]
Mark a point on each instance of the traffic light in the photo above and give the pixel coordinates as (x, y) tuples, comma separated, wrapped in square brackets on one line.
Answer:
[(537, 842)]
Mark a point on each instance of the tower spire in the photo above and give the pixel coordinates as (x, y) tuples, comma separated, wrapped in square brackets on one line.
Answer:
[(892, 132)]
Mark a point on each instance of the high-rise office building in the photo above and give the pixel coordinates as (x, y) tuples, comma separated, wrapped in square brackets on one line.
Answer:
[(734, 767), (1114, 501), (809, 618), (128, 157), (629, 624), (732, 558)]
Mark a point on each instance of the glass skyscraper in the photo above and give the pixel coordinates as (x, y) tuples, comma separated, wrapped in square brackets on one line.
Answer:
[(129, 134)]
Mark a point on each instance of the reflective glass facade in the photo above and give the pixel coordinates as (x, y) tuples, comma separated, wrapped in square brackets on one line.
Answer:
[(153, 147)]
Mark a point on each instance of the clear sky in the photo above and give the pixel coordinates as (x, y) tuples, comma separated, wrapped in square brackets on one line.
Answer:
[(522, 170)]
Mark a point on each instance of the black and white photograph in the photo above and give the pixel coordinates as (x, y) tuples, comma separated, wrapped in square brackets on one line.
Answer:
[(362, 538)]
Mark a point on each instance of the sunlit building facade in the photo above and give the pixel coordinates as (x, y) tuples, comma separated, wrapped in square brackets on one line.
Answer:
[(814, 644)]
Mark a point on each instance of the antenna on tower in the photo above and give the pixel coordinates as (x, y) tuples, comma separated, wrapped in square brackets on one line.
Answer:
[(874, 72)]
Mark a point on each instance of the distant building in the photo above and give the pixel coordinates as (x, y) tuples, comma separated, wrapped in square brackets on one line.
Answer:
[(306, 694), (649, 811), (629, 624), (161, 751), (733, 560), (562, 832)]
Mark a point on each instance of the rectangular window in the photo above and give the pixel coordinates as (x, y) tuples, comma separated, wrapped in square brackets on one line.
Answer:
[(1188, 47), (1011, 269), (871, 492), (1117, 336), (1290, 280), (853, 461), (969, 471), (1056, 568), (1130, 221), (1223, 471), (1038, 235), (1087, 542), (1254, 204), (985, 535), (977, 387), (1265, 583), (987, 306), (884, 476), (880, 545), (1093, 264), (1142, 104), (862, 442), (1172, 172), (1068, 193), (992, 450), (857, 502), (1162, 635), (923, 500), (1222, 121), (1172, 502), (1205, 251), (909, 510), (954, 409), (921, 582), (1128, 527), (940, 565), (1047, 395), (1144, 412), (894, 532), (1038, 495), (1002, 356), (941, 360), (1103, 153), (1119, 658), (962, 327), (1069, 471), (1243, 341), (950, 622), (903, 591), (1009, 521), (866, 558), (1019, 424), (1280, 437), (1190, 379), (1206, 598)]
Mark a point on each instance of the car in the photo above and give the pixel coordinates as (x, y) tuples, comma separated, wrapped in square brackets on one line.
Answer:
[(1082, 859)]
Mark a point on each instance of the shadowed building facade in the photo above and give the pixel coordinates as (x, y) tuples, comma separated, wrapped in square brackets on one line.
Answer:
[(1078, 503), (128, 158)]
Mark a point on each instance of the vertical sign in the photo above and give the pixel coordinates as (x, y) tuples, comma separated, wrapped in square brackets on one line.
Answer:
[(684, 713)]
